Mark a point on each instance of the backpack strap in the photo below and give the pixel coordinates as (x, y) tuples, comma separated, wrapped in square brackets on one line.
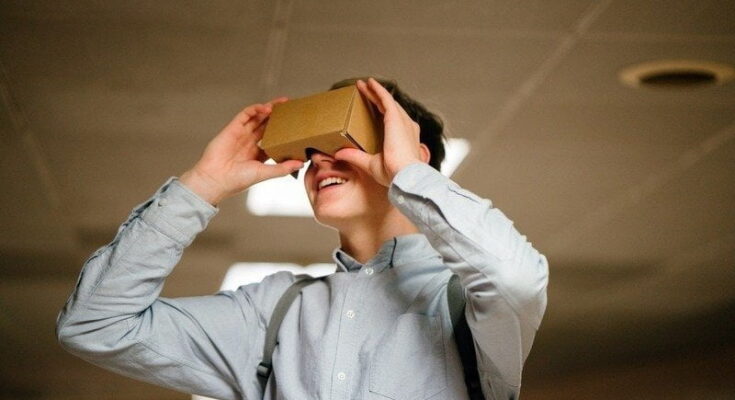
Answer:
[(463, 338), (455, 300), (271, 335)]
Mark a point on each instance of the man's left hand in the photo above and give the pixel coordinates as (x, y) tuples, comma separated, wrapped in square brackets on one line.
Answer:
[(401, 139)]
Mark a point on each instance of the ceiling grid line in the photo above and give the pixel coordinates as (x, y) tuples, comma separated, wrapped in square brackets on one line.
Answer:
[(275, 48), (460, 32), (659, 37), (519, 97), (689, 158), (29, 142)]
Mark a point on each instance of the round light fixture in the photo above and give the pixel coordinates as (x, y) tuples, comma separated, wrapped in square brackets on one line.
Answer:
[(676, 74)]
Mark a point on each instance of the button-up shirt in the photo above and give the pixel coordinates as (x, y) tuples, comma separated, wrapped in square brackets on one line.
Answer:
[(379, 330)]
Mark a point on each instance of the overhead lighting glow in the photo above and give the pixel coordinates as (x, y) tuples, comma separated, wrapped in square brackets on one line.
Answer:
[(286, 196), (243, 273), (456, 150)]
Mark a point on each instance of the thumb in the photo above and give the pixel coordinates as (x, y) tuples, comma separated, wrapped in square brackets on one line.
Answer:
[(269, 171), (356, 157)]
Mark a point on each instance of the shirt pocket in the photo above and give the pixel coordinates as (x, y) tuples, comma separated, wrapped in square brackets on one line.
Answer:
[(410, 364)]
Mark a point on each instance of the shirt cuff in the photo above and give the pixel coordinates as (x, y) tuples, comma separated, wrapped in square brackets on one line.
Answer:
[(178, 212), (419, 179)]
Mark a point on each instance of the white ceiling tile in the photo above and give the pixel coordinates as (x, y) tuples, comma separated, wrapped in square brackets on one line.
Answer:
[(29, 220), (213, 13), (702, 17), (105, 179), (696, 207), (426, 66), (58, 110), (117, 57), (529, 15), (544, 183), (619, 124)]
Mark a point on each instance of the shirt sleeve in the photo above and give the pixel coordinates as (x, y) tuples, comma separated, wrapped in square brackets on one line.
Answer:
[(503, 276), (115, 319)]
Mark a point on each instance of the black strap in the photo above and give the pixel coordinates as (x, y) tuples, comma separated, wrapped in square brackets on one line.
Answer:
[(463, 338), (271, 335)]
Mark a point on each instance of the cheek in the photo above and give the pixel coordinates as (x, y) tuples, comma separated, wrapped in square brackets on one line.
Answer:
[(308, 181), (368, 195)]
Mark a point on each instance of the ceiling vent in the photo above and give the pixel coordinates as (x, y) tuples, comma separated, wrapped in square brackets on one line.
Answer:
[(676, 74)]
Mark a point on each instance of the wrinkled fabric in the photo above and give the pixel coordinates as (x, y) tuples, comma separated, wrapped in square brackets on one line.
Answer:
[(379, 330)]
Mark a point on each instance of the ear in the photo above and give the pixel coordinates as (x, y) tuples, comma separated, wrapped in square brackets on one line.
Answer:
[(425, 153)]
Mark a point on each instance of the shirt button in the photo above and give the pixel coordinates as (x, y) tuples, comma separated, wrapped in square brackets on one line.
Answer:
[(401, 199), (341, 376), (350, 314), (162, 202), (369, 271)]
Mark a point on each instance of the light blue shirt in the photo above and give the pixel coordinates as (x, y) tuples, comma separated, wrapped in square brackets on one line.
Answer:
[(375, 331)]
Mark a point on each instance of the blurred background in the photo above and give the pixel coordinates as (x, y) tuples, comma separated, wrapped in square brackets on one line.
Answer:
[(604, 129)]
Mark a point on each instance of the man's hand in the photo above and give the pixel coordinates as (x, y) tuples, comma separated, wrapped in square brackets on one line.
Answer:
[(232, 161), (401, 140)]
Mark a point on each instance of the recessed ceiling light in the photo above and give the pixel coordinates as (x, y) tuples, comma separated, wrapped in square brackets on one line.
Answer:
[(676, 74), (287, 197)]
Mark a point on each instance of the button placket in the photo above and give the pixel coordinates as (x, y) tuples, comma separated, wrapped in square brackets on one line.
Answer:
[(349, 339)]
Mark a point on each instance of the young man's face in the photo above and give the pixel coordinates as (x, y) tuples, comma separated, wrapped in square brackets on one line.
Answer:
[(341, 193)]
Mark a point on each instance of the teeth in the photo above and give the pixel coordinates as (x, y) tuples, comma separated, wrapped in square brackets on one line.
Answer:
[(330, 181)]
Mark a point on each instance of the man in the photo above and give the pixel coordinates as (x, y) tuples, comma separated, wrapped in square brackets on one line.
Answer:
[(378, 328)]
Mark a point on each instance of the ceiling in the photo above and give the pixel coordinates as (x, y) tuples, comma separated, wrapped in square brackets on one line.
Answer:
[(628, 192)]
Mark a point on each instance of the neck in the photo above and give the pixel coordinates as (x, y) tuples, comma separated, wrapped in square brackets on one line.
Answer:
[(363, 239)]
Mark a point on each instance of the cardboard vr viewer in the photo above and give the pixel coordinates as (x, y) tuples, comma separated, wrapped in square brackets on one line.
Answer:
[(325, 122)]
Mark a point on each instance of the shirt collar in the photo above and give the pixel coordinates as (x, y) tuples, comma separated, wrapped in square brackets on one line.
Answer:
[(392, 253)]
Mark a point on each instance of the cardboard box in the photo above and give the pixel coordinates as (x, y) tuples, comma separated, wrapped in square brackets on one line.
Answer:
[(326, 122)]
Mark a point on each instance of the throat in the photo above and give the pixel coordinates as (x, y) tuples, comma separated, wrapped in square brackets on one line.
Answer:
[(363, 239)]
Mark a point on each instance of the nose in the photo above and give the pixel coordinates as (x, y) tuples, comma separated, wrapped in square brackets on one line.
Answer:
[(319, 158)]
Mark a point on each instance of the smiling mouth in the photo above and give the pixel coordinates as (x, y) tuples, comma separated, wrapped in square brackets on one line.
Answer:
[(331, 181)]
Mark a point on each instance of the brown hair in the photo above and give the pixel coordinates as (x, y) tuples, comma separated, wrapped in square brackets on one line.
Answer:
[(430, 125)]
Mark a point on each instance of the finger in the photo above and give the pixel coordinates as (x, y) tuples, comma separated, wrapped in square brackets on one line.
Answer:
[(248, 113), (277, 170), (384, 97), (407, 120), (257, 121), (367, 92), (278, 100), (263, 117), (355, 157), (259, 130)]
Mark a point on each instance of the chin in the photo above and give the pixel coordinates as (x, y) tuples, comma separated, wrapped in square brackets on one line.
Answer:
[(334, 216), (354, 202)]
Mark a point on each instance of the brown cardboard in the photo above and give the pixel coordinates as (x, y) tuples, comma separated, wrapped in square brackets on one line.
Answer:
[(325, 121)]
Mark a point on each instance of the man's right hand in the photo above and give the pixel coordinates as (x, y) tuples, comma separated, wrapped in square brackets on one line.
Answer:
[(232, 161)]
